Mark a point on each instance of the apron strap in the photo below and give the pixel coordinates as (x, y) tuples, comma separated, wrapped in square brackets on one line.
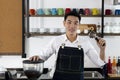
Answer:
[(63, 45)]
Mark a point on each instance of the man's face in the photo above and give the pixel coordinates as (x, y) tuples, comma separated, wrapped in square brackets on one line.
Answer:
[(71, 24)]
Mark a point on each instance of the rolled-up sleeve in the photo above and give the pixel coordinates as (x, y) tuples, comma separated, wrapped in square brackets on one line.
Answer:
[(93, 55)]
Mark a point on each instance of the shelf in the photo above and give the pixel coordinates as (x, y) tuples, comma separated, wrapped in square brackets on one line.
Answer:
[(111, 15), (34, 34), (81, 16), (111, 34), (62, 16)]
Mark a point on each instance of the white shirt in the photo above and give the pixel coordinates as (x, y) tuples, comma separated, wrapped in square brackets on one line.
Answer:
[(54, 45), (89, 50)]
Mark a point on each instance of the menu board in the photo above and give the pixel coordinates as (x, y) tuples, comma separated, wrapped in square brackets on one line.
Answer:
[(10, 27)]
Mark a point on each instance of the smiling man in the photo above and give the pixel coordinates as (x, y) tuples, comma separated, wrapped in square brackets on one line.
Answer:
[(69, 50)]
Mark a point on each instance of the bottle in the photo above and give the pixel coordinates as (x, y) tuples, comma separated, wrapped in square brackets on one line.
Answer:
[(109, 66), (114, 66), (98, 28), (107, 28), (118, 65)]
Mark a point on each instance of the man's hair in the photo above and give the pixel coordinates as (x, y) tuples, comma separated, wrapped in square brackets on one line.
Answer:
[(72, 14)]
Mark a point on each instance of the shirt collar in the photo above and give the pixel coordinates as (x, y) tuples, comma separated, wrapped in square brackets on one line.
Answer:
[(66, 39)]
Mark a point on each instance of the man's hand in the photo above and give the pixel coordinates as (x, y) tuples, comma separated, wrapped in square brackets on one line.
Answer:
[(102, 44), (34, 58)]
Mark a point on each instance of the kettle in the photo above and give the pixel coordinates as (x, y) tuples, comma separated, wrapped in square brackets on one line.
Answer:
[(5, 74), (33, 69)]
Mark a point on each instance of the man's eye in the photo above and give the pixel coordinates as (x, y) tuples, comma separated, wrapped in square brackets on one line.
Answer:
[(76, 23), (69, 22)]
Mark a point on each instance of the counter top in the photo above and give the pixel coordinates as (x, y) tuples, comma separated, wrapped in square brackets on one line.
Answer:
[(45, 76)]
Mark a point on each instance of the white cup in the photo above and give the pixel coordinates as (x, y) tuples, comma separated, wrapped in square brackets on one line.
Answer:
[(62, 30), (42, 30), (52, 30)]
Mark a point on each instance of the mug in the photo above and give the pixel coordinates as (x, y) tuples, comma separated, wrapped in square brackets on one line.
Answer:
[(95, 11), (60, 11), (67, 10), (54, 11), (81, 11), (117, 12), (32, 11), (40, 11), (74, 10), (108, 12), (87, 11), (47, 11)]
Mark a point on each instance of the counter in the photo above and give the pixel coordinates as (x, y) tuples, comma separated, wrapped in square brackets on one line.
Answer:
[(46, 77)]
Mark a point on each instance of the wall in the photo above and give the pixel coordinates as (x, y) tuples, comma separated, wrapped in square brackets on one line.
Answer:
[(35, 44)]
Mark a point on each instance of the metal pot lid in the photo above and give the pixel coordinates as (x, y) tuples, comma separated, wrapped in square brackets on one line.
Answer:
[(32, 62)]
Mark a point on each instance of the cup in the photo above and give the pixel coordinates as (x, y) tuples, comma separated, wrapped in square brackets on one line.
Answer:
[(95, 11), (117, 12), (32, 11), (35, 29), (52, 30), (54, 11), (108, 12), (74, 10), (67, 10), (47, 11), (40, 12), (42, 30), (87, 11), (81, 11), (60, 11)]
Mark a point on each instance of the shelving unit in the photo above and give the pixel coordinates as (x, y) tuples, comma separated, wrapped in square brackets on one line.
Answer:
[(102, 16), (27, 17)]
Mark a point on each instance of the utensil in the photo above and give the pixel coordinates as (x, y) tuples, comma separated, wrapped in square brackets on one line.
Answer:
[(92, 34), (33, 69)]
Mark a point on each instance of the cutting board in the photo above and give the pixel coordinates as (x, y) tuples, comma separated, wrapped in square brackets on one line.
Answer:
[(82, 27), (114, 75)]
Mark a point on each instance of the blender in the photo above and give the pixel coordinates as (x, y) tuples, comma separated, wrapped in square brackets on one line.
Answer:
[(33, 69)]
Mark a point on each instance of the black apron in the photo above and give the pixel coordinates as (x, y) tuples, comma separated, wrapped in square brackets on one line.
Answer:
[(70, 64)]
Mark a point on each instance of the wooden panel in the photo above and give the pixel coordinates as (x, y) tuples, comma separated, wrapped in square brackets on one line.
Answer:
[(82, 27), (10, 26)]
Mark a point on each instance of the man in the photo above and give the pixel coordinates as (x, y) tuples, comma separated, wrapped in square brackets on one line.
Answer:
[(69, 49)]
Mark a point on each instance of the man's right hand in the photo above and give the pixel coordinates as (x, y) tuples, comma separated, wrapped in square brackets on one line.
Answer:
[(34, 58)]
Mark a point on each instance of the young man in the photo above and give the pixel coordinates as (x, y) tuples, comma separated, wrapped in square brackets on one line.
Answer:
[(69, 49)]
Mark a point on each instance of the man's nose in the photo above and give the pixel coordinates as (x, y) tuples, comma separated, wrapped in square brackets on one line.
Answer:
[(72, 25)]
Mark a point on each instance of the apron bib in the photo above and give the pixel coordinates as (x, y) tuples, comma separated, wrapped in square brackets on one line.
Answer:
[(70, 64)]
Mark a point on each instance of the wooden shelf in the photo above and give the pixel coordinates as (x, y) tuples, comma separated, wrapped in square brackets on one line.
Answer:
[(111, 15), (111, 34), (61, 16), (81, 16), (34, 34)]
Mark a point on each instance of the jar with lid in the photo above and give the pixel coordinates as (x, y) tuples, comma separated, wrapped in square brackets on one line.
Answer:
[(118, 65)]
